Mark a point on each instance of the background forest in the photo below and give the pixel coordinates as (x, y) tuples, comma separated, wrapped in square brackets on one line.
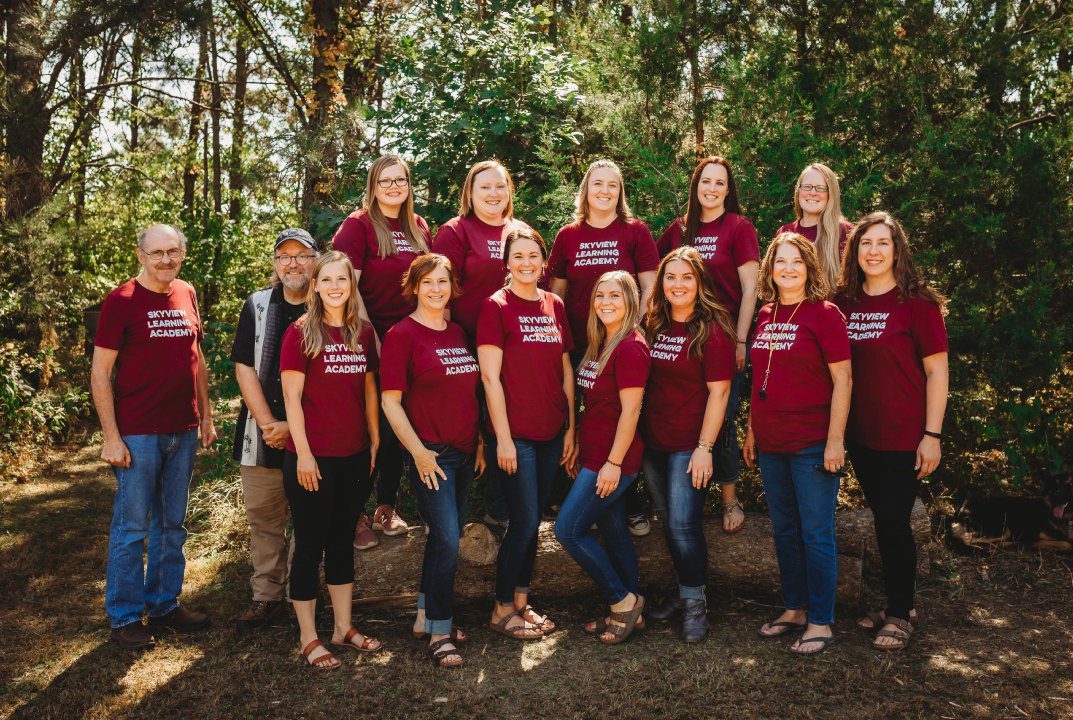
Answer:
[(236, 118)]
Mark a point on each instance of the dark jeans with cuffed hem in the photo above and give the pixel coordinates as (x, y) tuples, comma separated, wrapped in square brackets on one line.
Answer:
[(612, 566), (324, 520), (890, 486), (526, 494), (801, 497), (445, 511), (681, 508)]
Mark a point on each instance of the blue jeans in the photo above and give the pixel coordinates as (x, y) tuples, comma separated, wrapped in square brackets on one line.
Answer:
[(444, 510), (681, 507), (801, 498), (150, 502), (526, 493), (614, 566), (494, 480), (727, 455)]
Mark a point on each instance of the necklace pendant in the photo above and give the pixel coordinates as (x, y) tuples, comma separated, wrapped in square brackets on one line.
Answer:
[(763, 394)]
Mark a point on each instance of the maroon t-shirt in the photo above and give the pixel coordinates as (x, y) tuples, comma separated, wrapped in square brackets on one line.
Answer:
[(157, 336), (889, 339), (600, 405), (438, 377), (725, 244), (582, 253), (475, 249), (333, 396), (677, 391), (809, 233), (533, 335), (797, 411)]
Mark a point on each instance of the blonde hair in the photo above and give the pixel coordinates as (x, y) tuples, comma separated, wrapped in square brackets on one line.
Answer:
[(465, 201), (581, 200), (600, 346), (816, 287), (407, 220), (829, 231), (314, 332)]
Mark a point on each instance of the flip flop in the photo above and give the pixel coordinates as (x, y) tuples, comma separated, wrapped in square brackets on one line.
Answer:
[(824, 642), (786, 625)]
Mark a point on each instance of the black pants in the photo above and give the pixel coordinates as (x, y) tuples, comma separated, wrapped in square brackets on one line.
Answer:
[(389, 461), (324, 520), (890, 486)]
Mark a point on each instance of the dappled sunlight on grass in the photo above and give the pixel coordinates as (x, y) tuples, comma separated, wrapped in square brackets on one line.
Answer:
[(153, 670), (535, 653)]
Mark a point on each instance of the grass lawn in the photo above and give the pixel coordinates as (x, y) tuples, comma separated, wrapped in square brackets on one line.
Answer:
[(996, 641)]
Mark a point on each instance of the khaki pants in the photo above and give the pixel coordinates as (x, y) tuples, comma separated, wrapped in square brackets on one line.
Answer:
[(267, 512)]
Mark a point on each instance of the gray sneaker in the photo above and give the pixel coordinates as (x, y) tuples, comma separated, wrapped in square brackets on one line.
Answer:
[(638, 525)]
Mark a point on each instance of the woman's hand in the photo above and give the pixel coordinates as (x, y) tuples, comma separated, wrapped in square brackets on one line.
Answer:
[(428, 469), (569, 456), (479, 463), (739, 356), (308, 472), (700, 468), (748, 450), (607, 479), (507, 456), (373, 447), (834, 456), (928, 456)]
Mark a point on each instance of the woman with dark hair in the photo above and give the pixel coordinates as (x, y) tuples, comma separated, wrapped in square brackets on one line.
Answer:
[(818, 218), (692, 343), (429, 383), (797, 424), (900, 369), (611, 382), (727, 243), (523, 345), (381, 240), (327, 362)]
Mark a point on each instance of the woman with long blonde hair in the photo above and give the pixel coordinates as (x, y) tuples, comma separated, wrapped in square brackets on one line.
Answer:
[(692, 341), (327, 364), (381, 240), (610, 384), (818, 218)]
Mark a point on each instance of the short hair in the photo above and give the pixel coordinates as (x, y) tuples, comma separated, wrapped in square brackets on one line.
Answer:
[(523, 233), (465, 201), (157, 227), (815, 281), (422, 266)]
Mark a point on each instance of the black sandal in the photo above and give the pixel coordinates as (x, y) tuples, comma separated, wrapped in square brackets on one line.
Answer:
[(786, 625), (824, 642)]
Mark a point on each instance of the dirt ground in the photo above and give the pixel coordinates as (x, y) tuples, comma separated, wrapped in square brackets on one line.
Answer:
[(996, 641)]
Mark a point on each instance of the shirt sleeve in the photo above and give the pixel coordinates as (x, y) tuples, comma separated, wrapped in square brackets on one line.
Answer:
[(746, 246), (242, 351), (927, 327), (451, 244), (666, 240), (490, 325), (564, 325), (350, 239), (645, 255), (368, 343), (422, 226), (632, 363), (719, 362), (558, 260), (197, 315), (833, 336), (291, 356), (395, 356), (112, 324)]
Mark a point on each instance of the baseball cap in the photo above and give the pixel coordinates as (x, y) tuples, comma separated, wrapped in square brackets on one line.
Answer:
[(296, 234)]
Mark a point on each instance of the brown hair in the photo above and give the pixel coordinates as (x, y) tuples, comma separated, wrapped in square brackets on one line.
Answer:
[(422, 266), (691, 220), (465, 201), (523, 233), (601, 346), (581, 199), (911, 282), (707, 311), (314, 331), (815, 282), (829, 231), (407, 220)]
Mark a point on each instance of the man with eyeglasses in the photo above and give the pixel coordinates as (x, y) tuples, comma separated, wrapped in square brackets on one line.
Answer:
[(150, 333), (261, 430)]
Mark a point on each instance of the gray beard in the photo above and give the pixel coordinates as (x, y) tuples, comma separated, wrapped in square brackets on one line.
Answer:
[(299, 284)]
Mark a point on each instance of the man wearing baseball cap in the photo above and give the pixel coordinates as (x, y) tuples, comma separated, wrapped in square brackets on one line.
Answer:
[(261, 429)]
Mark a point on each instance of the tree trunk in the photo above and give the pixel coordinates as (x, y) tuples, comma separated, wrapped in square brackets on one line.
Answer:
[(238, 131), (214, 112), (326, 97), (135, 93), (191, 169), (25, 112), (698, 101)]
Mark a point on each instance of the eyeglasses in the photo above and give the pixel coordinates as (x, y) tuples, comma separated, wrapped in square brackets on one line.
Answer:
[(388, 182), (158, 255), (302, 259), (812, 188)]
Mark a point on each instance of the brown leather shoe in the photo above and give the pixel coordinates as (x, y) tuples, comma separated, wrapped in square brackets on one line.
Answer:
[(181, 620), (261, 614), (134, 636)]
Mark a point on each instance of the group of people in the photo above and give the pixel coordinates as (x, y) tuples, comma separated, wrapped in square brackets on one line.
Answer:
[(482, 353)]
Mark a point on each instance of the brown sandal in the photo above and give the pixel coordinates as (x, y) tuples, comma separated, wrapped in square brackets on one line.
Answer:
[(327, 661), (544, 623), (599, 625), (438, 654), (518, 632), (900, 631), (622, 623), (368, 644), (878, 618)]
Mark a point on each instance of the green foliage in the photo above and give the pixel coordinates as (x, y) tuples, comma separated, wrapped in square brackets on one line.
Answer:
[(30, 416)]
